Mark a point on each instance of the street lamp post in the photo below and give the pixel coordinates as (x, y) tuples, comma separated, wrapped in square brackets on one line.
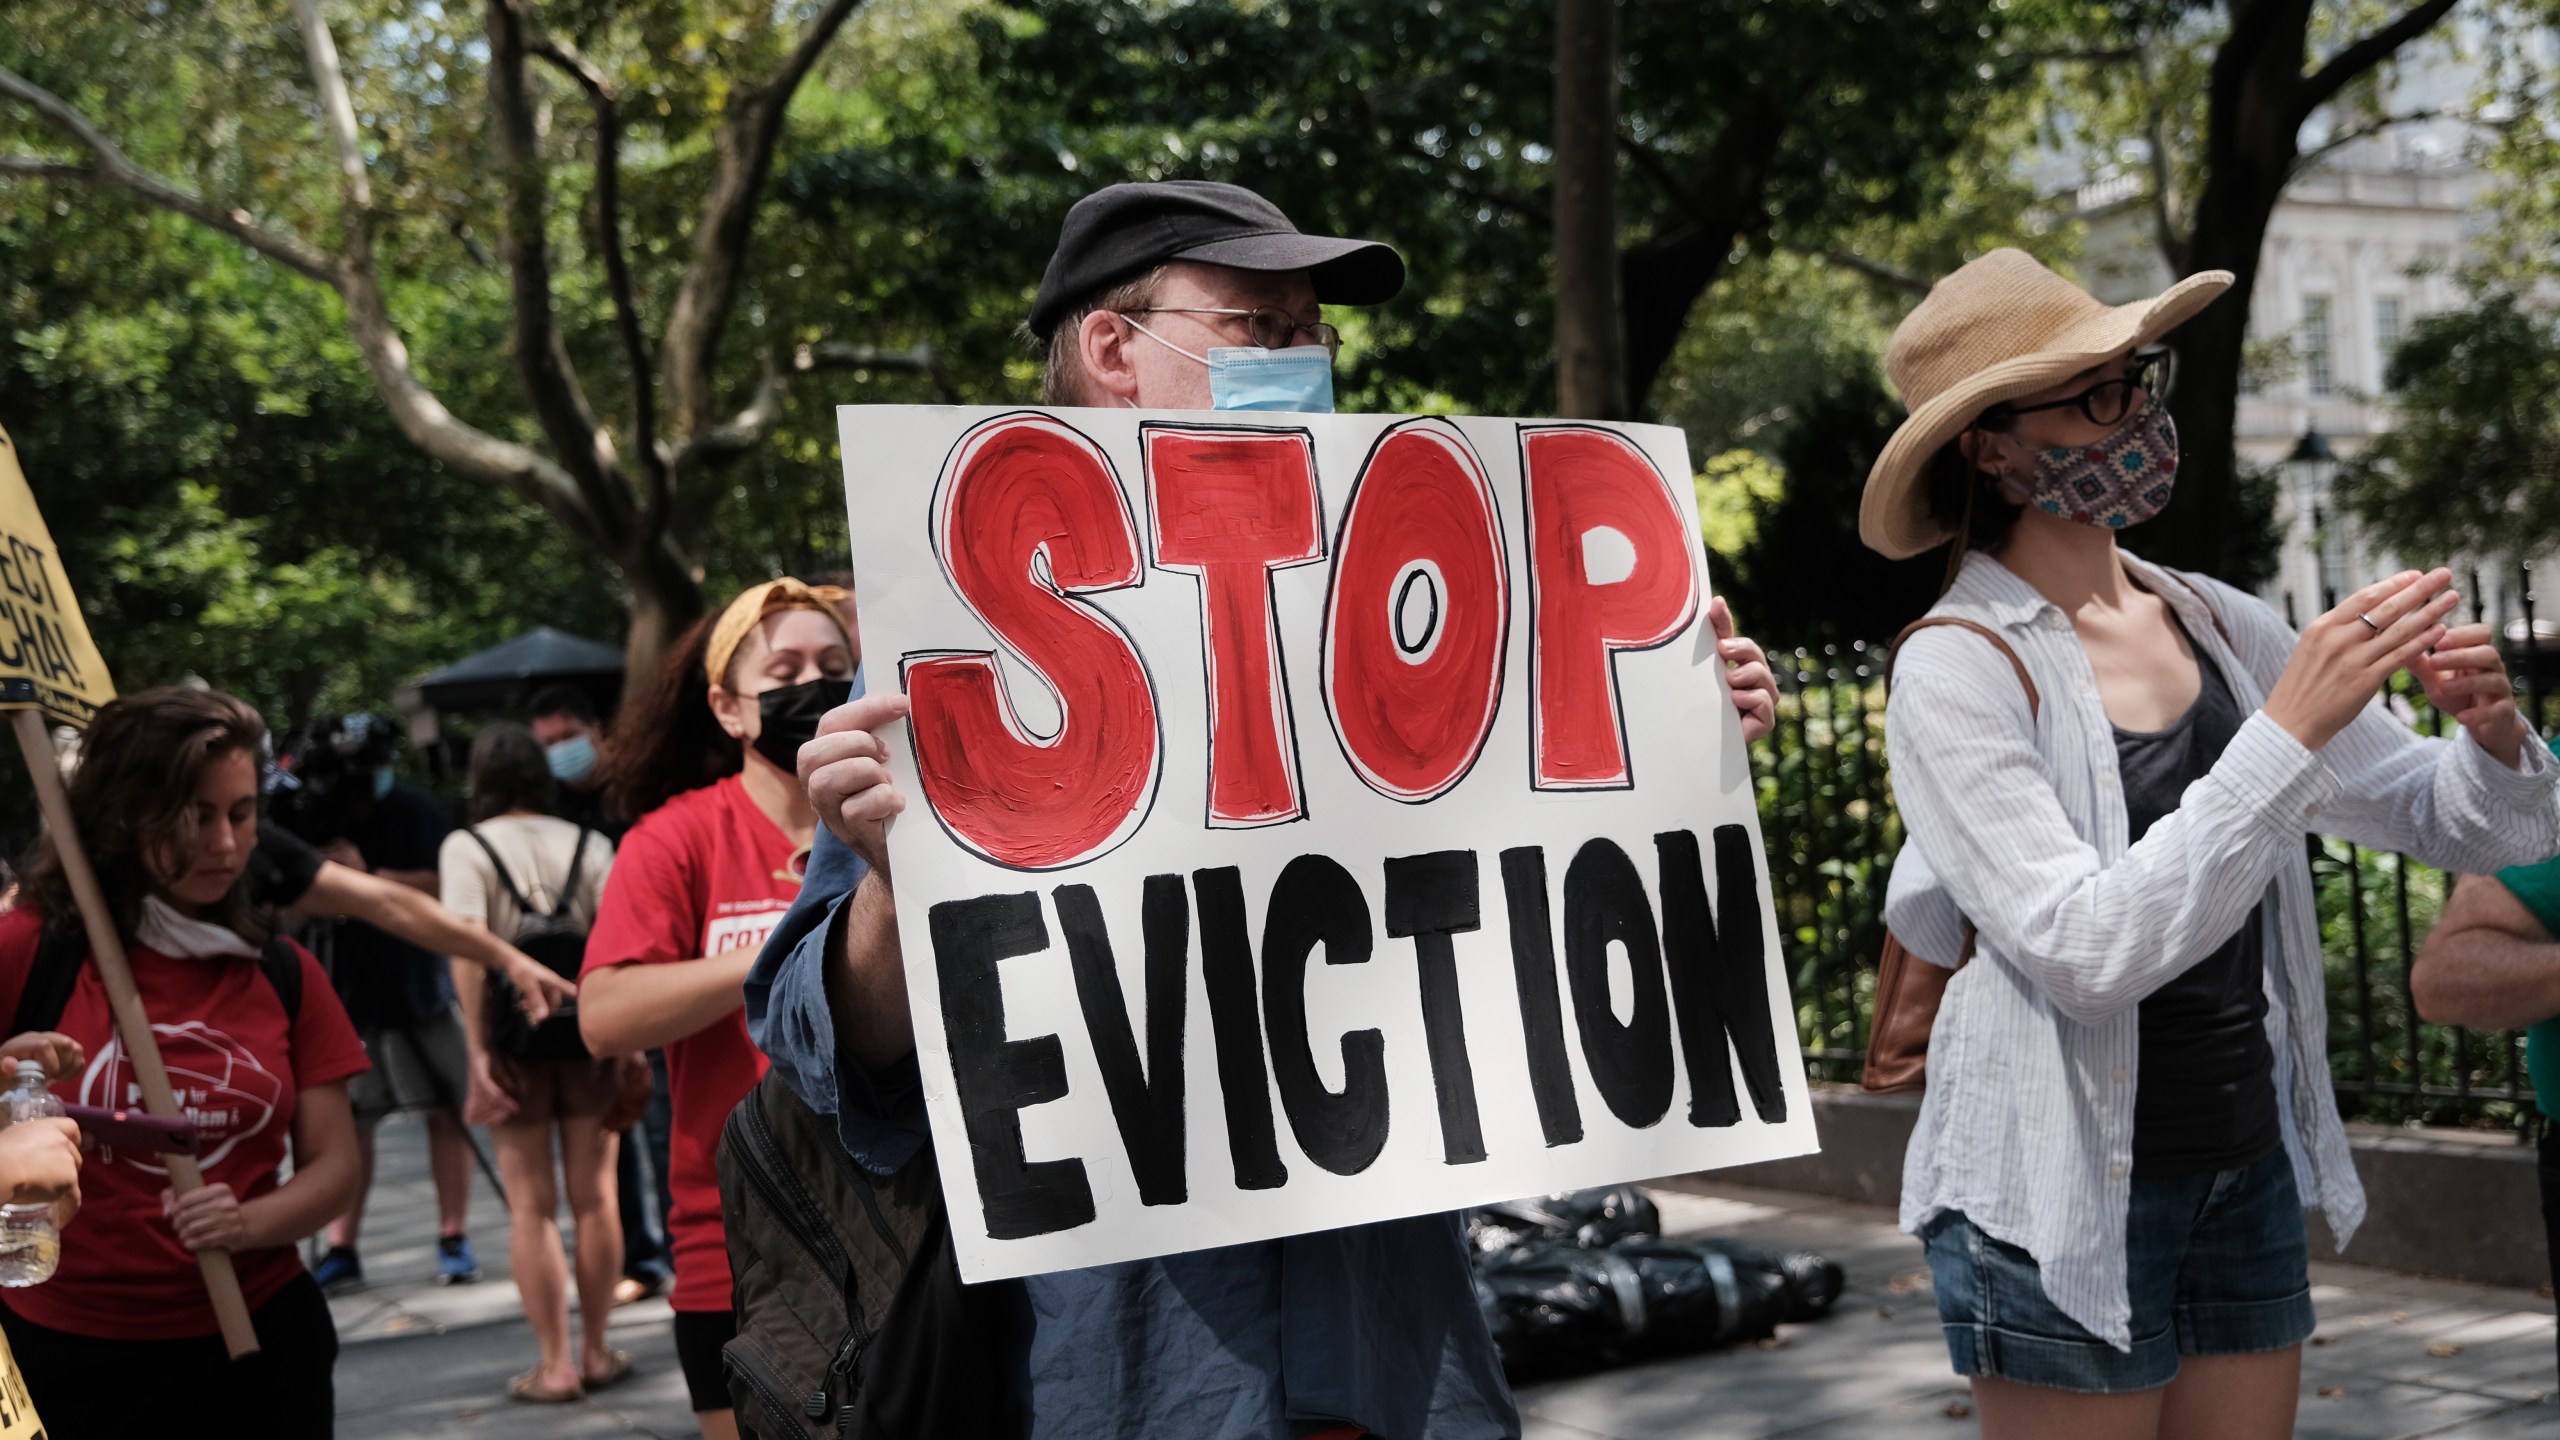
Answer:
[(2309, 471)]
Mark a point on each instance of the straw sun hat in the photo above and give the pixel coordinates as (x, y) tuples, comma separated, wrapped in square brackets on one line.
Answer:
[(2001, 327)]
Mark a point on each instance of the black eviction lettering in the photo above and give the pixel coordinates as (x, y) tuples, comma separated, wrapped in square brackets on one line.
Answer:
[(1604, 901), (1316, 902), (1689, 947), (1742, 972), (1432, 897), (996, 1077), (1146, 1104), (1226, 967), (1533, 971)]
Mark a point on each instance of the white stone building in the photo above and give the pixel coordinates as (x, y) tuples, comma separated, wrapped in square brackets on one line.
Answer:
[(2365, 242)]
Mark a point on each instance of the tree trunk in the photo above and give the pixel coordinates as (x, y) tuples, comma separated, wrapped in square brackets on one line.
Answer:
[(2208, 525), (1591, 360), (665, 598), (2257, 102)]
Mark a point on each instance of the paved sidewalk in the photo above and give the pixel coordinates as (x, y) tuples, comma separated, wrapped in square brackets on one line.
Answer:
[(2396, 1357), (421, 1360)]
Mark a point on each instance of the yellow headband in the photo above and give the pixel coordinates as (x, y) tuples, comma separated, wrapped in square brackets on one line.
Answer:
[(756, 602)]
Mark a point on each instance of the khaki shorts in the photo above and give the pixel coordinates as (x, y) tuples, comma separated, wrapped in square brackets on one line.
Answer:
[(547, 1090), (424, 1066)]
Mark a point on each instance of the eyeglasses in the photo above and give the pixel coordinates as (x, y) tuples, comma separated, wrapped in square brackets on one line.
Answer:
[(1270, 327), (2153, 372)]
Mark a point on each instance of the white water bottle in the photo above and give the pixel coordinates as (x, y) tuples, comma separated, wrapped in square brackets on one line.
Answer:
[(30, 1243)]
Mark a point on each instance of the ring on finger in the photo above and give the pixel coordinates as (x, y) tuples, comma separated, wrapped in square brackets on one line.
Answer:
[(2368, 623)]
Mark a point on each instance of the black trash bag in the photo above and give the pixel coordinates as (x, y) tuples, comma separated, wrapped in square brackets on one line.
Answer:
[(1587, 1219), (1560, 1308)]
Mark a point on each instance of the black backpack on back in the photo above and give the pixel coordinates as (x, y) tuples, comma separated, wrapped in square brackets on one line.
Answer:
[(56, 973), (852, 1321), (553, 937)]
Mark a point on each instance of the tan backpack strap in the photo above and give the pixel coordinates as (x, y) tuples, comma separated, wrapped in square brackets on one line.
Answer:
[(2035, 701)]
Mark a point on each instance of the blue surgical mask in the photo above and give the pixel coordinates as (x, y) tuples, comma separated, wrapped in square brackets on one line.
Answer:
[(1247, 377), (572, 760), (1298, 379)]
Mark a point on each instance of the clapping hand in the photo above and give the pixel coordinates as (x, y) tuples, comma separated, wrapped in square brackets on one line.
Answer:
[(2465, 677)]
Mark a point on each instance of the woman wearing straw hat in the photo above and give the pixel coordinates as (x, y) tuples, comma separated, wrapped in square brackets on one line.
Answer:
[(2106, 769)]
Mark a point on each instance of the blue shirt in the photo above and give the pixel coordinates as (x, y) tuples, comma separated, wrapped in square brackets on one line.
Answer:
[(1375, 1326)]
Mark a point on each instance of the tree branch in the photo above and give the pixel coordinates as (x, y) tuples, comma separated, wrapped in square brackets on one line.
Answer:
[(1893, 275), (1658, 170), (542, 361), (843, 355), (2168, 227), (742, 154), (114, 172), (2318, 87), (566, 58), (718, 444), (2105, 55), (2375, 126), (36, 168), (414, 408)]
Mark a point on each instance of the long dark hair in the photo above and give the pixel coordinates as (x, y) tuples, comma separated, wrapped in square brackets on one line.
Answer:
[(665, 739), (508, 772), (1967, 501), (134, 799)]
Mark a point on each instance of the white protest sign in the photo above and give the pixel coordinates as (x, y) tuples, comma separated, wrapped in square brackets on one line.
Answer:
[(1311, 820)]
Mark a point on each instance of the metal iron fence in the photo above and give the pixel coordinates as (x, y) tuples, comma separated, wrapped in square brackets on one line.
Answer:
[(1826, 807)]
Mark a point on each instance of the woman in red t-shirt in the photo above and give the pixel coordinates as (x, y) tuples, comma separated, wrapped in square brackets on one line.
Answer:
[(167, 798), (704, 757)]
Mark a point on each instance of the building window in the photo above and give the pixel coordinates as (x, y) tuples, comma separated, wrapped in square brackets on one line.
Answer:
[(2316, 368), (2386, 334)]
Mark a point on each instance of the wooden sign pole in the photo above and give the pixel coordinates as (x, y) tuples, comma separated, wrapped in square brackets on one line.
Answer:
[(230, 1307)]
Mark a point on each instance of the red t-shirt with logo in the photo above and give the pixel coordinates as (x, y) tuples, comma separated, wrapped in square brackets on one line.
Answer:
[(705, 873), (238, 1066)]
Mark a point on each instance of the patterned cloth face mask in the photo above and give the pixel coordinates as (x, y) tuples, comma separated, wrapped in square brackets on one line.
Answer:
[(2120, 480)]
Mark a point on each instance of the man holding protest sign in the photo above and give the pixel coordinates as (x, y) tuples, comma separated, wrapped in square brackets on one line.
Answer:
[(1195, 296)]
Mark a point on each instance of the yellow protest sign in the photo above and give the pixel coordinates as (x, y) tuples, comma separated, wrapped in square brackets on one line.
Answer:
[(47, 660), (17, 1410)]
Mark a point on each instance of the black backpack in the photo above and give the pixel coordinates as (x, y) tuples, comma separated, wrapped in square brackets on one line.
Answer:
[(557, 940), (852, 1321), (56, 972)]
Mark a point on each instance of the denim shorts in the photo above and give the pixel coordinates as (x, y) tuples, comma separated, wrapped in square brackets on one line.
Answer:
[(2216, 1264)]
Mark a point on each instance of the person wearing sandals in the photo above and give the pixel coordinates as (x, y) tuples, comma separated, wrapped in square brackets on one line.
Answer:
[(2107, 770), (529, 1083)]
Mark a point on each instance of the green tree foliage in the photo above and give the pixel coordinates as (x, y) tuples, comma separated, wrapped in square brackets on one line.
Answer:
[(2473, 467), (2209, 100), (531, 225), (1423, 122), (230, 499)]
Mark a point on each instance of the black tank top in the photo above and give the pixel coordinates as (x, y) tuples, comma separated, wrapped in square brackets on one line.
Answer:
[(2206, 1095)]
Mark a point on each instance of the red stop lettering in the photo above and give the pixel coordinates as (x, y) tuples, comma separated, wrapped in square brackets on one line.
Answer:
[(1028, 514), (1230, 506), (1593, 497), (1417, 615)]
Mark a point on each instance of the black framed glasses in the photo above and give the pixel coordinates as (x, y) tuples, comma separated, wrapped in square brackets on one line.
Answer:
[(2154, 372), (1269, 326)]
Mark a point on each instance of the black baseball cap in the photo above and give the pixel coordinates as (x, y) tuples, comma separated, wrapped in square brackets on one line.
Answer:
[(1122, 231)]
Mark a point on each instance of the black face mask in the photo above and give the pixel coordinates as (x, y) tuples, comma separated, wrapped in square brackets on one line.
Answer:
[(791, 718)]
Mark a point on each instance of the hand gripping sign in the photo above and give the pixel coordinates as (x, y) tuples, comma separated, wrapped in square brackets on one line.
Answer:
[(1321, 821), (50, 667)]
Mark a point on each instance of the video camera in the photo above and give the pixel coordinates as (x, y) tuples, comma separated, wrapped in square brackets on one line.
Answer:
[(325, 774)]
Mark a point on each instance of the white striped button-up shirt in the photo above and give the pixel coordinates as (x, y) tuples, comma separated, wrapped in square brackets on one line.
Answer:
[(2018, 822)]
